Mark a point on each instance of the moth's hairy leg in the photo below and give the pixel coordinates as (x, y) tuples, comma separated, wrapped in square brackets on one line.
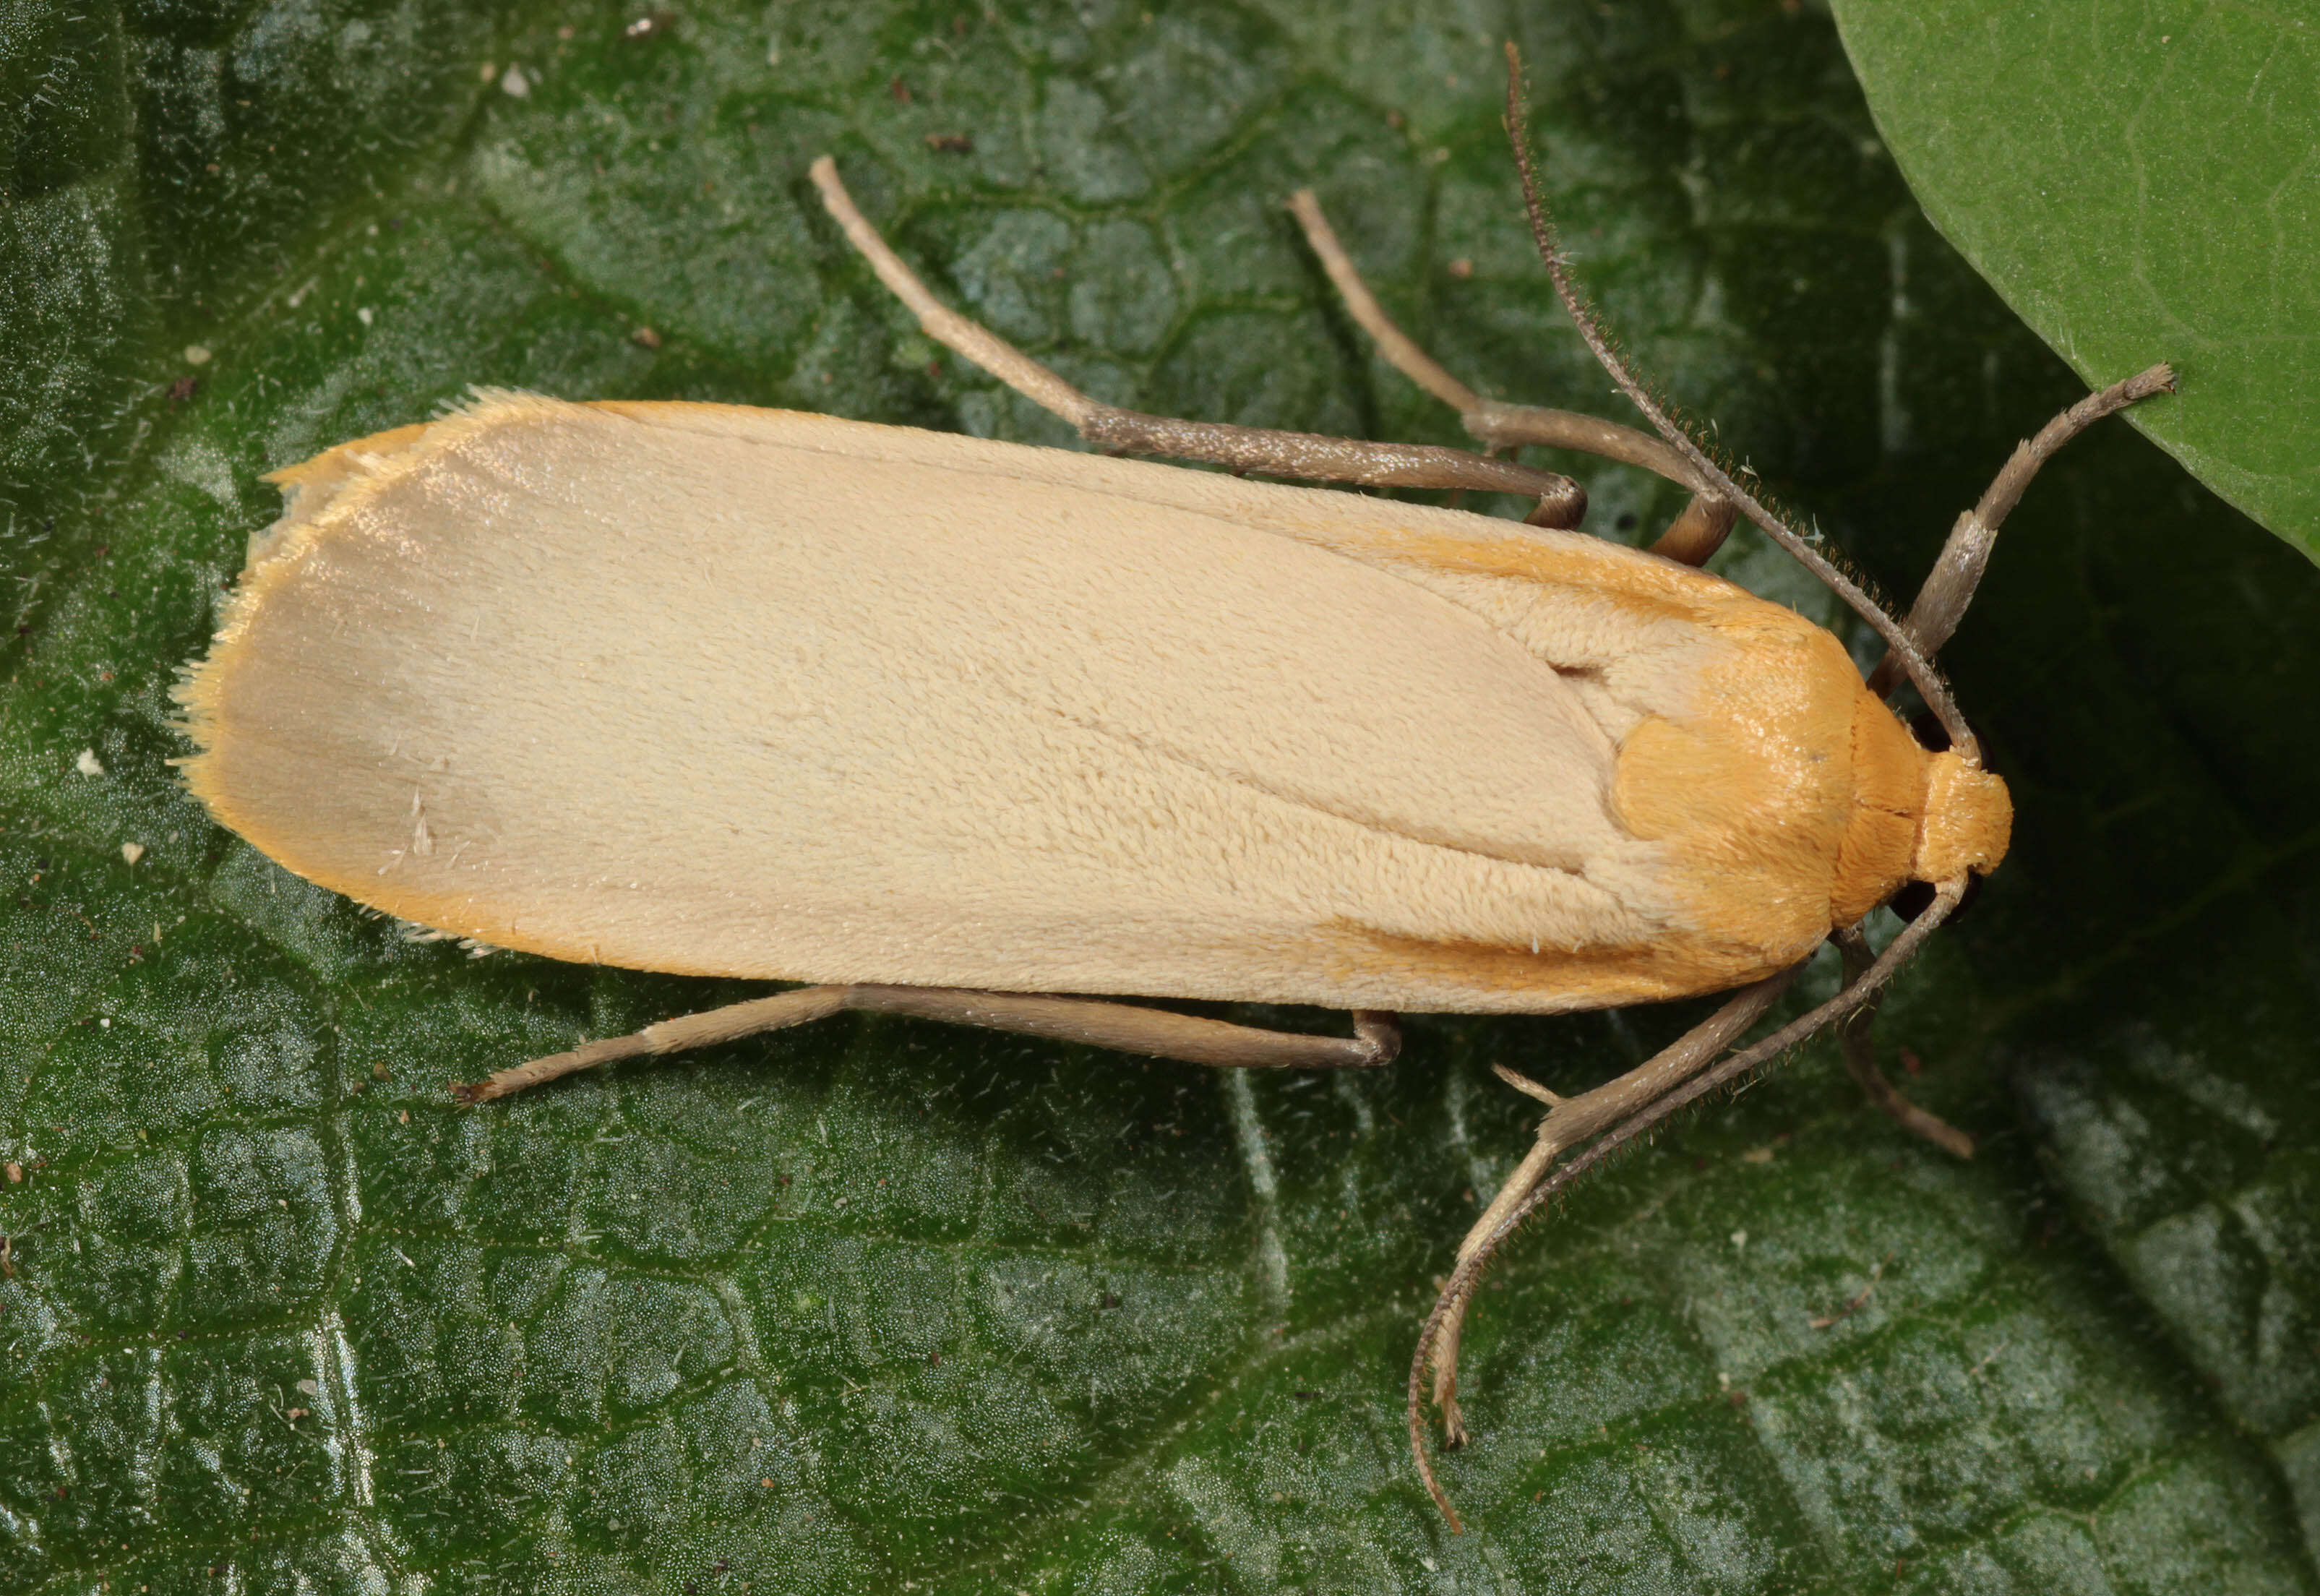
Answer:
[(1130, 1028), (1125, 1028), (1856, 1039), (1571, 1120), (1689, 540), (1450, 1302), (1562, 503), (801, 1006), (1942, 602)]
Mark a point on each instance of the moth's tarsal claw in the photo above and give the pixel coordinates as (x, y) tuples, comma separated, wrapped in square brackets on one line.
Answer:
[(1453, 1426)]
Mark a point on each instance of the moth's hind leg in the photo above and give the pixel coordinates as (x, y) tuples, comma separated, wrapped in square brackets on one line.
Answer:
[(1856, 1039), (1689, 540), (1948, 586), (1571, 1120), (1307, 454), (1125, 1028)]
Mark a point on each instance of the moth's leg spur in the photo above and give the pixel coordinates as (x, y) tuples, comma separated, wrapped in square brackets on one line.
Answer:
[(1690, 538), (1571, 1120), (1856, 1039), (1125, 1028), (1948, 586), (1562, 503)]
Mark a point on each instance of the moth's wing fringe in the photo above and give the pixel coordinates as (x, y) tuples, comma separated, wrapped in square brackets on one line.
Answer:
[(359, 477)]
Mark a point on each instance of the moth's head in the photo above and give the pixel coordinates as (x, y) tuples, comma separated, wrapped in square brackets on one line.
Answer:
[(1965, 824)]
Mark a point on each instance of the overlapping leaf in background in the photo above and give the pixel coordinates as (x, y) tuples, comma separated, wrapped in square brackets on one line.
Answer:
[(878, 1305), (2133, 175)]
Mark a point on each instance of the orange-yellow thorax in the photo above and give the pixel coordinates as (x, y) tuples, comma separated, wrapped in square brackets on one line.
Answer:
[(1791, 800), (1915, 816)]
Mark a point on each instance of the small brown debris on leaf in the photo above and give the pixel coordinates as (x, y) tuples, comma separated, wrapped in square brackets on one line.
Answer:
[(1856, 1303), (951, 143)]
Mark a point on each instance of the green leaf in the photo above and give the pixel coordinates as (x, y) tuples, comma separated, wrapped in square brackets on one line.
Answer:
[(881, 1305), (2138, 184)]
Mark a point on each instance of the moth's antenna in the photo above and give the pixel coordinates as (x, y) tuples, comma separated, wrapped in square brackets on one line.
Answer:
[(1468, 1274), (1949, 585), (1913, 661)]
